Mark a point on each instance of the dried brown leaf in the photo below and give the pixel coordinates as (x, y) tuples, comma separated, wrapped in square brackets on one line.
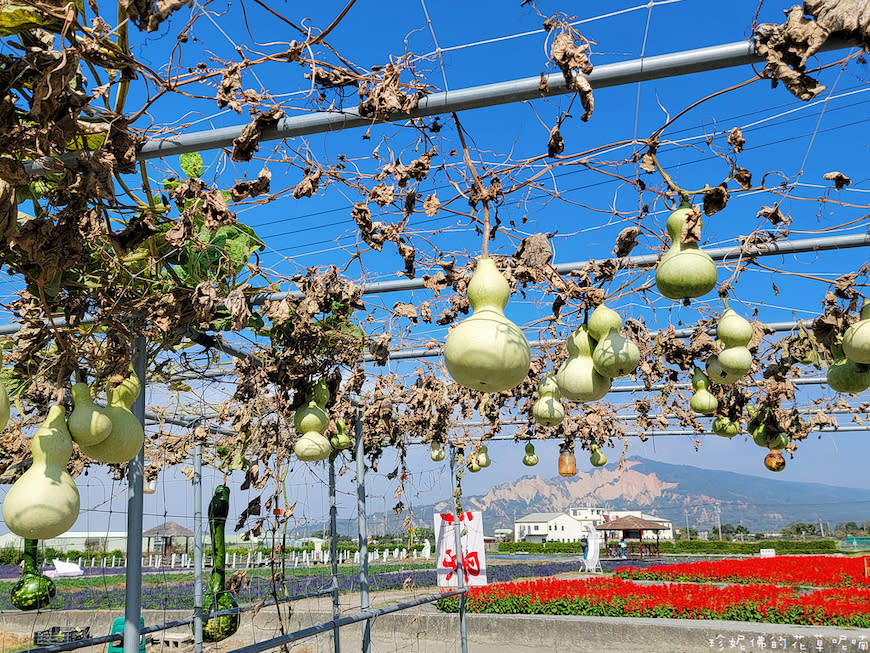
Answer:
[(840, 180)]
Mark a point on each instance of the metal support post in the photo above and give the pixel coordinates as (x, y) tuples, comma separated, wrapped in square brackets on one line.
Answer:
[(197, 548), (136, 481), (333, 554), (364, 602), (460, 570)]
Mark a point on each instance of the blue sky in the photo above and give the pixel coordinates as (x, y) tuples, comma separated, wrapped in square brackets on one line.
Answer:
[(792, 141)]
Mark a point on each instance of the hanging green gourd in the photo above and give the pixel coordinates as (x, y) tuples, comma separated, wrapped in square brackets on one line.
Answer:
[(217, 599), (685, 271), (88, 423), (735, 360), (34, 590), (548, 409), (311, 420), (4, 402), (703, 401), (530, 458), (436, 451), (845, 375), (856, 340), (341, 440), (614, 355), (597, 457), (725, 427), (127, 435), (577, 378), (44, 502), (483, 458), (486, 351)]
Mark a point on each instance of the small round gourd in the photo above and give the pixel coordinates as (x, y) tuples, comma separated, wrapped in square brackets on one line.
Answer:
[(311, 447), (725, 427), (856, 340), (44, 501), (474, 465), (530, 458), (88, 423), (597, 457), (34, 590), (774, 461), (778, 441), (735, 361), (127, 436), (702, 401), (577, 378), (615, 356), (685, 271), (845, 375), (548, 409), (486, 351), (436, 452)]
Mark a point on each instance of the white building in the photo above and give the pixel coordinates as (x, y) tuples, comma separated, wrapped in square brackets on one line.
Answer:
[(589, 513), (547, 527)]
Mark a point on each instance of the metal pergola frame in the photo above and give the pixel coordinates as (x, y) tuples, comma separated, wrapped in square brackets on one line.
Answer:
[(627, 72)]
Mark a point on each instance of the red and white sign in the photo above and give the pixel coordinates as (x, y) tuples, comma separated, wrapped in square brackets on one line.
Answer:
[(473, 556)]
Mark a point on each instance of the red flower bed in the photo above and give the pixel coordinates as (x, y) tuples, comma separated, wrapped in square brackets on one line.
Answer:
[(614, 597), (817, 571)]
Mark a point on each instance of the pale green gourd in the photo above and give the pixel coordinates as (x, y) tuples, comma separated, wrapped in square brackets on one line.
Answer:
[(702, 401), (733, 330), (474, 465), (44, 502), (436, 452), (530, 458), (340, 440), (127, 436), (685, 271), (614, 355), (597, 457), (321, 393), (483, 458), (88, 424), (311, 447), (602, 321), (735, 360), (487, 352), (845, 375), (311, 418), (725, 427), (856, 340), (577, 378), (548, 409), (717, 374)]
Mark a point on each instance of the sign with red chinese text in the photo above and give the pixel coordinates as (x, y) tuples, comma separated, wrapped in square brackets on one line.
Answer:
[(473, 557)]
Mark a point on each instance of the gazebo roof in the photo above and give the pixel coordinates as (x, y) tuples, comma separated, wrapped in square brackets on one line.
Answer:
[(168, 529), (631, 523)]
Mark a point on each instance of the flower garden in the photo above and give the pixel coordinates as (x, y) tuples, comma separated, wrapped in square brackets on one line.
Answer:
[(807, 590)]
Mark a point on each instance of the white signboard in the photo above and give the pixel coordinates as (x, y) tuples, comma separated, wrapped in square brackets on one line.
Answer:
[(473, 556)]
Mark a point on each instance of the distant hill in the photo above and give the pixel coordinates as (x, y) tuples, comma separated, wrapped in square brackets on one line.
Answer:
[(670, 491)]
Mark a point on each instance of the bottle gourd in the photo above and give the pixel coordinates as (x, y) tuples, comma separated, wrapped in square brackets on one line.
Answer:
[(548, 410), (34, 590), (217, 599), (530, 458), (856, 340), (127, 436), (845, 375), (577, 378), (703, 401), (735, 360), (311, 421), (486, 351), (686, 270), (614, 355), (88, 423), (44, 502)]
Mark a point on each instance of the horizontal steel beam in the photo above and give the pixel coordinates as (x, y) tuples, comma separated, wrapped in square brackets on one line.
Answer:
[(715, 57)]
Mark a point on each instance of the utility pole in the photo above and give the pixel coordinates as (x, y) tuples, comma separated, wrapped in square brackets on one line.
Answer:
[(719, 520), (688, 534), (821, 527)]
